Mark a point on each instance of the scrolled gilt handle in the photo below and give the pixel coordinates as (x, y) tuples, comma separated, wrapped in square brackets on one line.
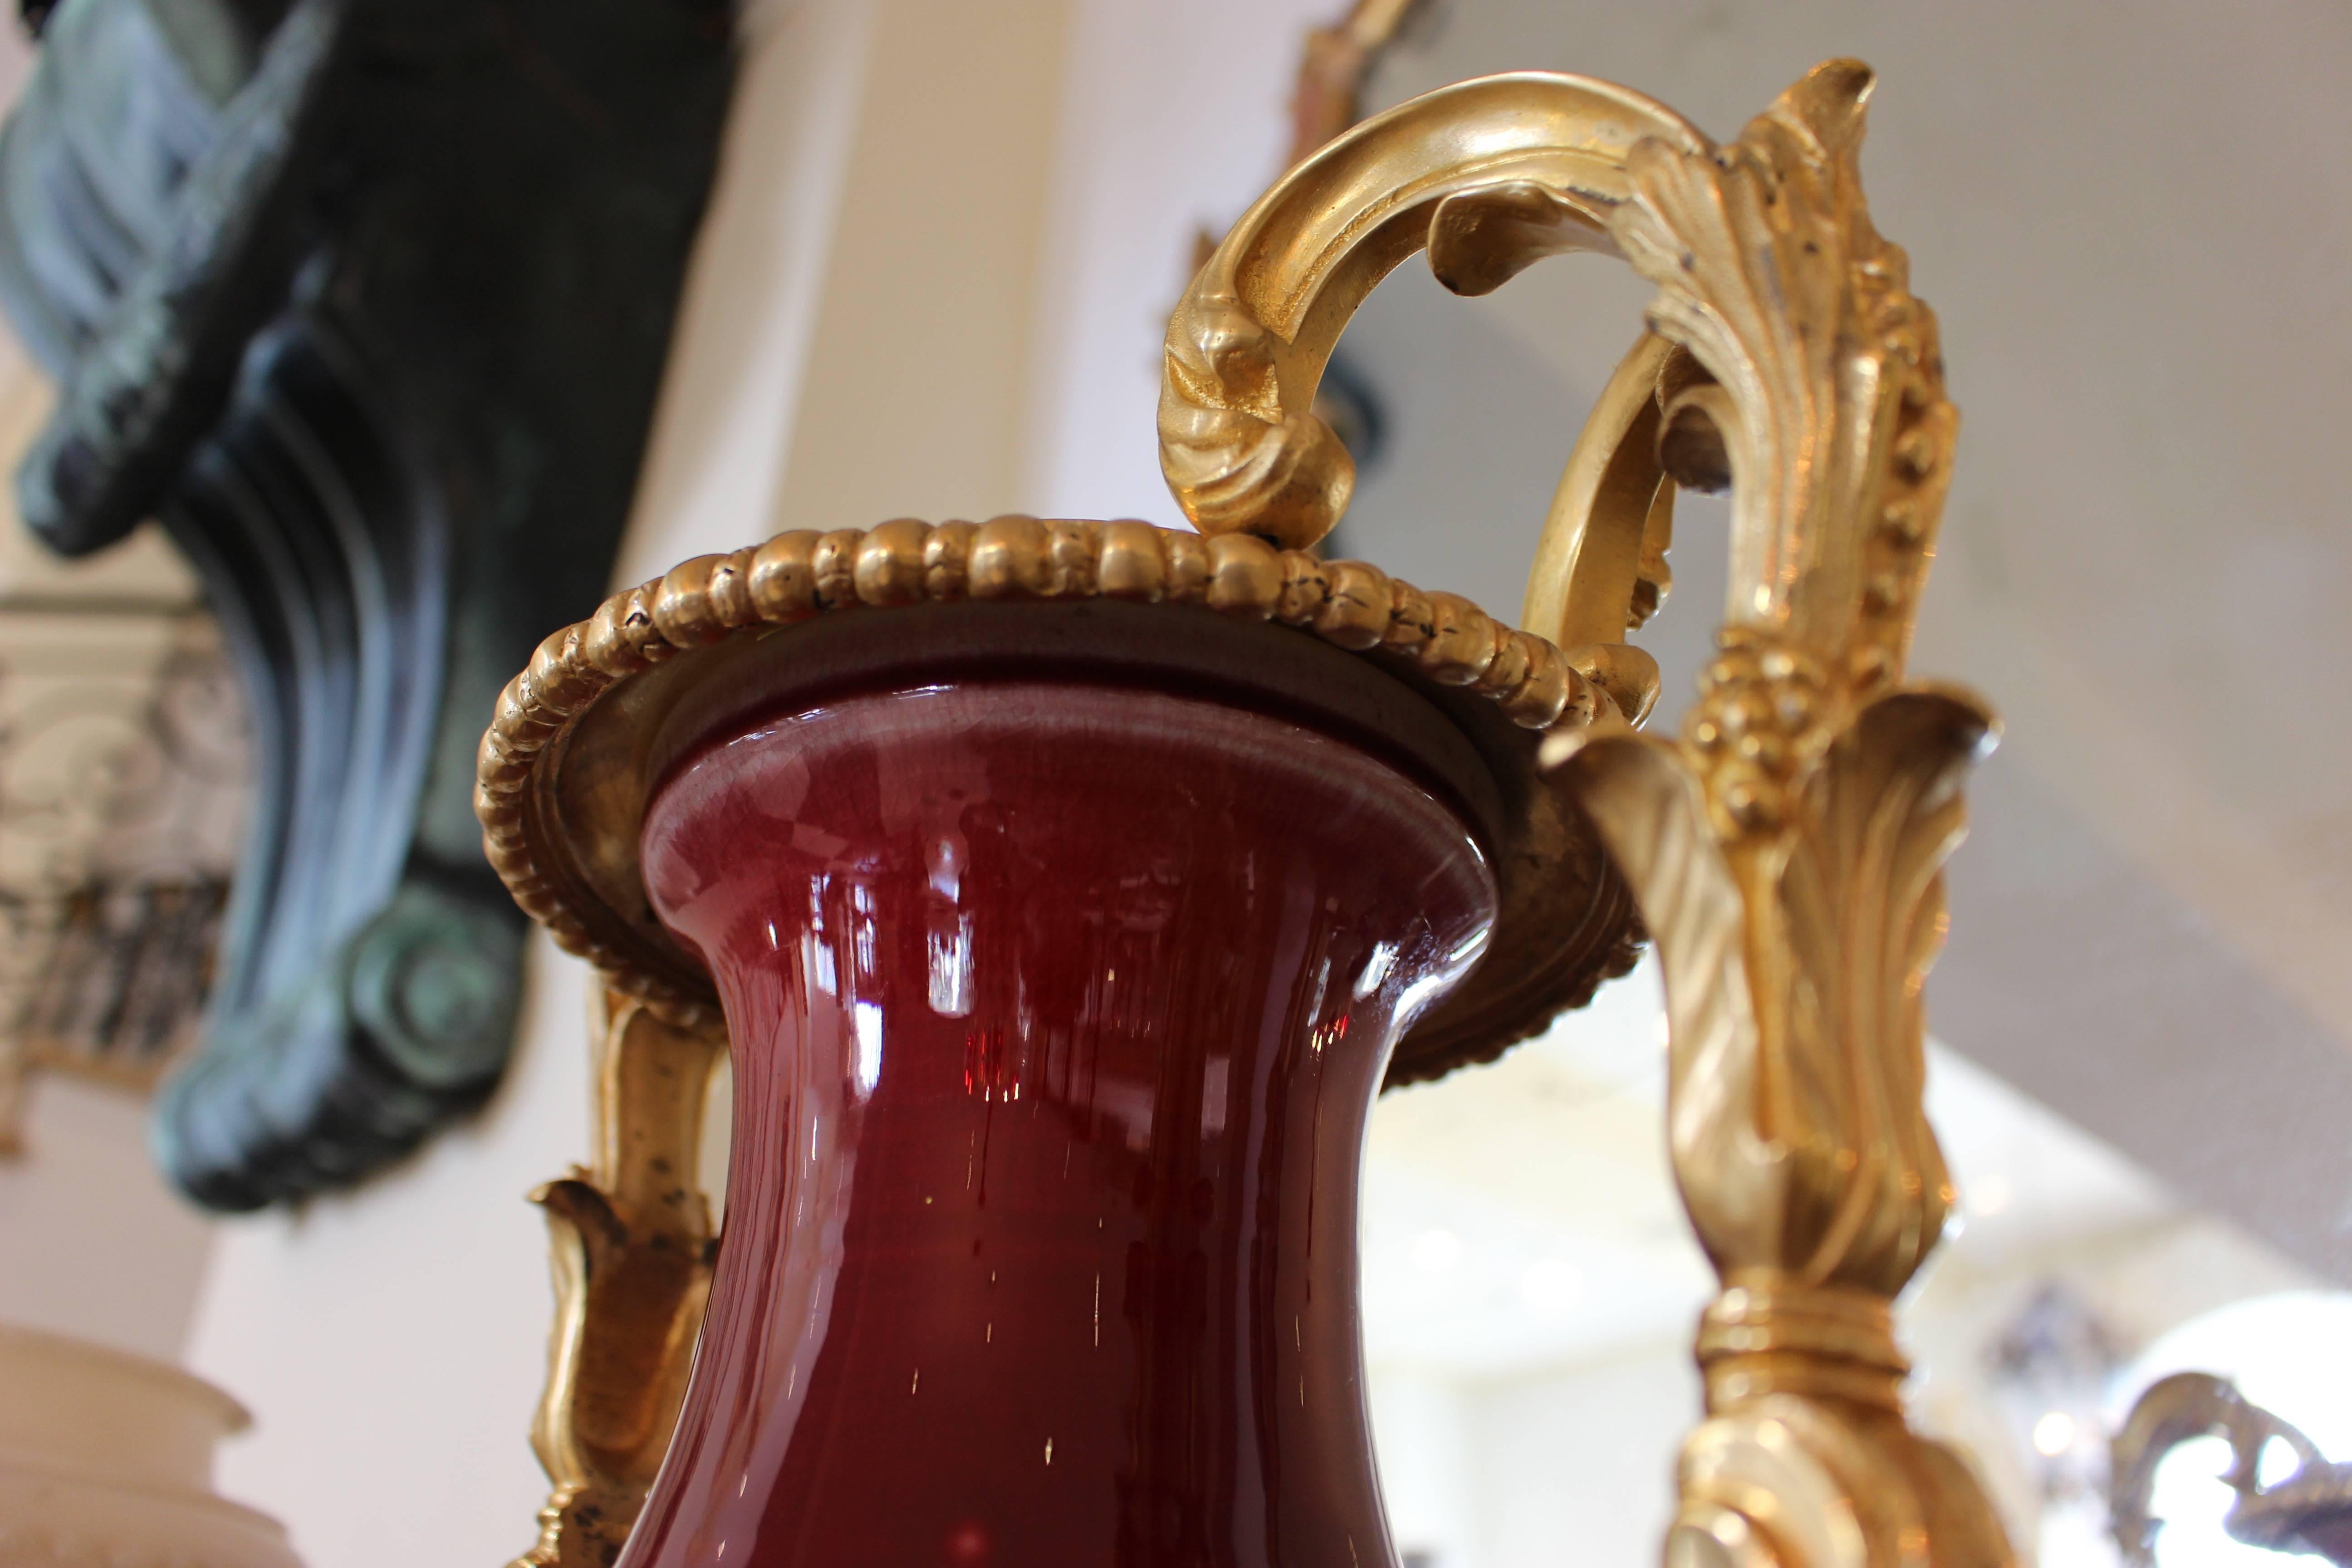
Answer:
[(1489, 176), (1786, 849)]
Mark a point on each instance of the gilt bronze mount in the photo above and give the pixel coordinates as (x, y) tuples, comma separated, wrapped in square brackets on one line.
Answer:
[(1783, 852), (2309, 1511)]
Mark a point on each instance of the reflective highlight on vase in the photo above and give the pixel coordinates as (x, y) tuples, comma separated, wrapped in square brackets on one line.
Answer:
[(1057, 1011)]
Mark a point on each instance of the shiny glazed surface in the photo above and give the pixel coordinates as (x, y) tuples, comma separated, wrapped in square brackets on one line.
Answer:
[(1057, 1015)]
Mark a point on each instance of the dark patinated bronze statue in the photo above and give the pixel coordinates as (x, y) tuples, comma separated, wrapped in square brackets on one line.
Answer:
[(366, 301)]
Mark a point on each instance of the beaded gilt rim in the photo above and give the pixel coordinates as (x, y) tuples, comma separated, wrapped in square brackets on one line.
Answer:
[(800, 574)]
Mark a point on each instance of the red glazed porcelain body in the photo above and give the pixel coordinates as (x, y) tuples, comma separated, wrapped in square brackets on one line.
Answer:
[(1057, 1014)]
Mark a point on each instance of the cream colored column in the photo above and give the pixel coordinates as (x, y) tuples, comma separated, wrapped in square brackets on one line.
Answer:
[(916, 395), (756, 293)]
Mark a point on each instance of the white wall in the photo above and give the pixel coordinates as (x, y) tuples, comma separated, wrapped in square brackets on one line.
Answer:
[(391, 1343), (1421, 1435), (92, 1243), (1577, 1467), (1175, 118)]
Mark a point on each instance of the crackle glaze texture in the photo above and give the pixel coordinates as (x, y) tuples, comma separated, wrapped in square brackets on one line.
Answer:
[(1057, 1011)]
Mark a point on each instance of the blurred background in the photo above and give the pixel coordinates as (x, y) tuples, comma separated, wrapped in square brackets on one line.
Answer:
[(931, 277)]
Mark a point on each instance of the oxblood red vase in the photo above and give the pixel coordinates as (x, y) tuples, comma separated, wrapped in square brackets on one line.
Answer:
[(1057, 1010)]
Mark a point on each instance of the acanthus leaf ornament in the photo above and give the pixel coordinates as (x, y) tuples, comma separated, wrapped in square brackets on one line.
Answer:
[(1786, 852), (1824, 374), (633, 1247)]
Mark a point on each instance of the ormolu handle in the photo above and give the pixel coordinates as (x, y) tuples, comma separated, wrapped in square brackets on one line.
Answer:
[(1490, 175)]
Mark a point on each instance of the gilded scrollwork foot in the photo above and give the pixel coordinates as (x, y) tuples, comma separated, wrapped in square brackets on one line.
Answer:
[(1805, 1457)]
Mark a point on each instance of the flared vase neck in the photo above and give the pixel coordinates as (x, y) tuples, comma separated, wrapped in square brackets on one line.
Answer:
[(1056, 1012)]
